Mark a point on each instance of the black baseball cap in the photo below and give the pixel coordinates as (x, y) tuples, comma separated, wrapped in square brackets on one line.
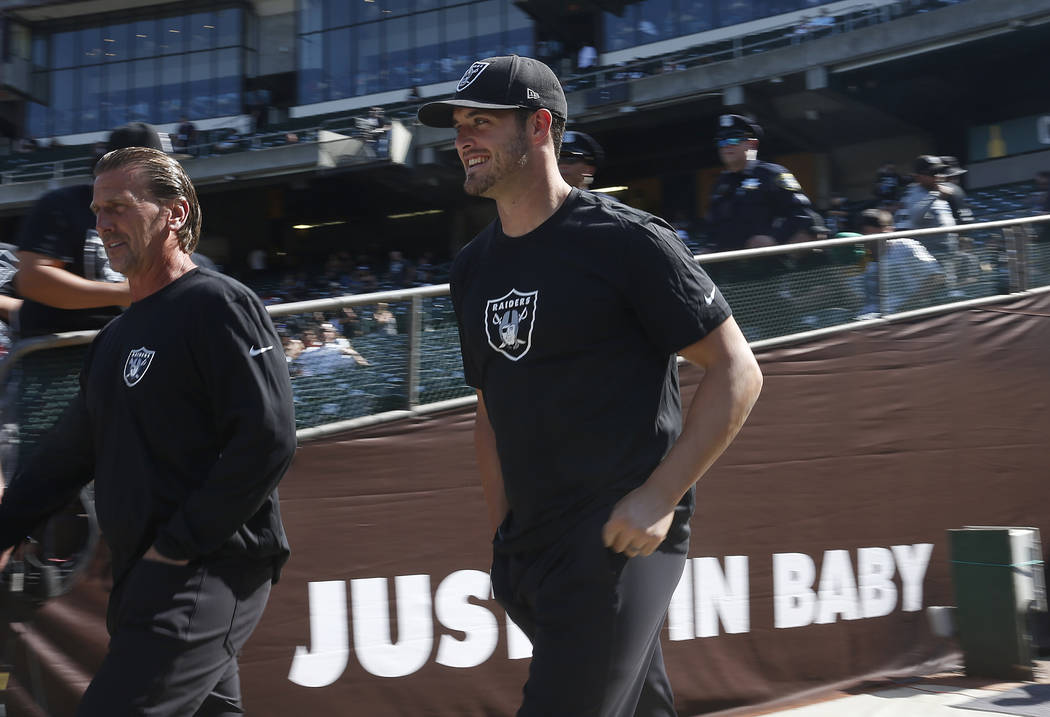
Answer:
[(584, 146), (952, 166), (737, 126), (135, 134), (501, 83)]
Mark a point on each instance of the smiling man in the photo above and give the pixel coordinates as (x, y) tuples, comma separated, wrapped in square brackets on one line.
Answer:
[(184, 419), (572, 308)]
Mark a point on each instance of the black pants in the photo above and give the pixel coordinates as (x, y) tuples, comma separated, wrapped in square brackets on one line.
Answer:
[(175, 632), (594, 618)]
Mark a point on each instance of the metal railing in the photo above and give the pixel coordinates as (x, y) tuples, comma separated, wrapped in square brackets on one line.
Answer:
[(411, 364)]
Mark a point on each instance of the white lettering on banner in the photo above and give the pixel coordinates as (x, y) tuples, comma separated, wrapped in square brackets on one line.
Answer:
[(793, 596), (370, 608), (795, 604), (330, 646), (878, 593), (912, 561), (712, 595), (838, 589), (721, 596), (455, 612)]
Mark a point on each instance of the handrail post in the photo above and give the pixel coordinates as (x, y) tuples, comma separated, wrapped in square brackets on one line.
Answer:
[(415, 342)]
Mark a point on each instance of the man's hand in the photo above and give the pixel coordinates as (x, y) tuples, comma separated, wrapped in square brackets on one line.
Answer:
[(153, 555), (638, 524), (5, 556)]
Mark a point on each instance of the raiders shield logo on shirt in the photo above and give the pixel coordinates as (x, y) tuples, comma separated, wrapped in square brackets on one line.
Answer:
[(137, 364), (509, 321)]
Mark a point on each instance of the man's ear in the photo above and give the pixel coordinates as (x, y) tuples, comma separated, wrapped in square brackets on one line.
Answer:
[(180, 213), (540, 125)]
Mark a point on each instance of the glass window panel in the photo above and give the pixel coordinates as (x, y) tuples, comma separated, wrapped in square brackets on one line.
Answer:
[(340, 72), (40, 51), (203, 31), (311, 15), (89, 101), (696, 15), (114, 95), (200, 85), (341, 12), (311, 80), (367, 59), (488, 19), (144, 38), (229, 85), (620, 31), (172, 37), (369, 10), (732, 12), (172, 71), (658, 21), (36, 120), (62, 99), (428, 49), (90, 52), (63, 46), (115, 46), (142, 91), (228, 30), (519, 37), (457, 55), (400, 47), (397, 7)]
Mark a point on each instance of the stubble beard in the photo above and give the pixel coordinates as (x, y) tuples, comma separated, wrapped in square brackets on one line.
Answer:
[(503, 163)]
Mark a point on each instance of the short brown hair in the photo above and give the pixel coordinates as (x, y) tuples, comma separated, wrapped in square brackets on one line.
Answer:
[(166, 180), (557, 127)]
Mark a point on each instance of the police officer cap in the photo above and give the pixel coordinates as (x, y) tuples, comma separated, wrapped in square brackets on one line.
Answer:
[(583, 146), (738, 126), (952, 164), (928, 164)]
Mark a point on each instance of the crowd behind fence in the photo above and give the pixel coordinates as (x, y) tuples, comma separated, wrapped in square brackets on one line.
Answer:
[(778, 294)]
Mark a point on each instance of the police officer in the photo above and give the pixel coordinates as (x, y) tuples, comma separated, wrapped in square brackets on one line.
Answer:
[(754, 203), (579, 159)]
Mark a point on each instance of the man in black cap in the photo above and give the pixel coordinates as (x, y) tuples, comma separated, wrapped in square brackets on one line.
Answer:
[(64, 274), (572, 309), (754, 203), (579, 159), (953, 175)]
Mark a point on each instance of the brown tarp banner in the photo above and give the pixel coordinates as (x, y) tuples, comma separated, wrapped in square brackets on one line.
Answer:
[(818, 542)]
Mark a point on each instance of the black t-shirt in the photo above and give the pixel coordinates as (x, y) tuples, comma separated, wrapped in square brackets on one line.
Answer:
[(61, 225), (571, 332), (764, 199), (184, 419)]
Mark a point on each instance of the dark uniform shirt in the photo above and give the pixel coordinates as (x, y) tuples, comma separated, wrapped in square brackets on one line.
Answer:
[(763, 199), (571, 332), (184, 419), (61, 225)]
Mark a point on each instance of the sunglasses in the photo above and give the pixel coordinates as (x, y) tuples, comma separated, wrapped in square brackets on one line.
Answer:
[(731, 141)]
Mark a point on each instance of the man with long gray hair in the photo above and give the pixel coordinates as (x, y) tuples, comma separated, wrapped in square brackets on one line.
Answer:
[(184, 420)]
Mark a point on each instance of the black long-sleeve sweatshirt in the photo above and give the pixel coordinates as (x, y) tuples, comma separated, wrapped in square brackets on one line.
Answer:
[(184, 419)]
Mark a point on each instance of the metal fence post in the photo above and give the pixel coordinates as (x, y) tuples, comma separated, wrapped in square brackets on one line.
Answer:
[(415, 341)]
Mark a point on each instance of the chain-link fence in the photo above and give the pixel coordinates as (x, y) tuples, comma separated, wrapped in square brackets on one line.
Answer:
[(366, 358)]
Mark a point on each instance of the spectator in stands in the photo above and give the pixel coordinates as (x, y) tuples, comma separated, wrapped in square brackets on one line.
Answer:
[(912, 277), (754, 203), (1039, 202), (925, 204), (384, 320), (327, 352), (579, 159), (957, 197), (185, 137), (889, 184), (836, 217), (64, 273), (588, 57), (10, 302), (396, 268)]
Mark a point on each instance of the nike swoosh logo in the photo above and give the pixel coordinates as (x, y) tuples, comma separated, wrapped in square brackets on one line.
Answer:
[(710, 297), (255, 352)]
